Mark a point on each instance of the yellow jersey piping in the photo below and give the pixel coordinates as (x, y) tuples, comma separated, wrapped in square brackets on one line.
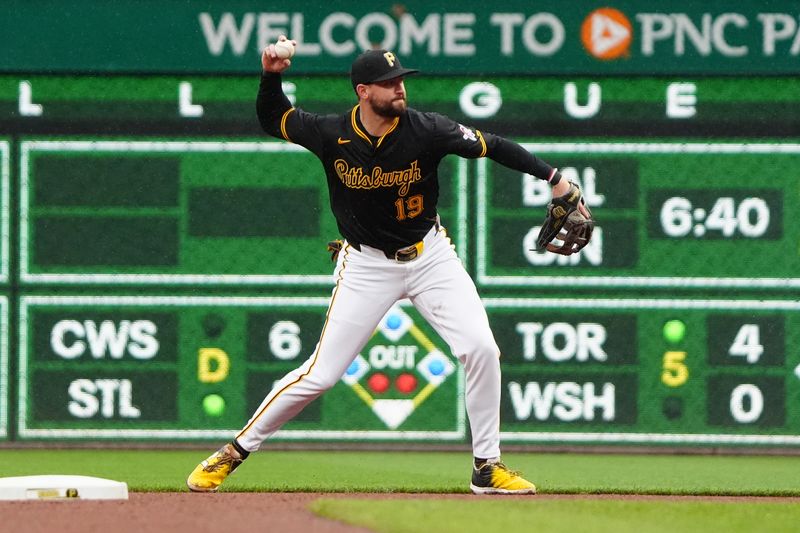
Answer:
[(390, 130), (358, 131), (363, 135), (283, 124), (483, 143)]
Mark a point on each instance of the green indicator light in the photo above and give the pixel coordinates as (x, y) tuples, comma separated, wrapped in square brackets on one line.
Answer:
[(674, 331), (214, 405)]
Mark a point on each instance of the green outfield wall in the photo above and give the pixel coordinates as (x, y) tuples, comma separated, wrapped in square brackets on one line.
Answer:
[(162, 261)]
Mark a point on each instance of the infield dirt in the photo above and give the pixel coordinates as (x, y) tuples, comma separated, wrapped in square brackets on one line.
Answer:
[(224, 512)]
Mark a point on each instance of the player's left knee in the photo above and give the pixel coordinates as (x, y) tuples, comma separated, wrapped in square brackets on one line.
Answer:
[(482, 347)]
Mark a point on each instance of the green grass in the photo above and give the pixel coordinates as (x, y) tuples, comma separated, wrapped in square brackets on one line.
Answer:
[(420, 472), (553, 516), (319, 471)]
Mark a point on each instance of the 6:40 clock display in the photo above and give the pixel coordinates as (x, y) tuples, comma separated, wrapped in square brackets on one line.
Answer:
[(716, 214)]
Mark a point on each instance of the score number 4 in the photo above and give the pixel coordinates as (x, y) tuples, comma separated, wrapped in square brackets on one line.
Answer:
[(747, 344)]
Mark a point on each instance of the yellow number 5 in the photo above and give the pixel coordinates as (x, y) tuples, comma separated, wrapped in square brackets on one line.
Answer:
[(675, 371)]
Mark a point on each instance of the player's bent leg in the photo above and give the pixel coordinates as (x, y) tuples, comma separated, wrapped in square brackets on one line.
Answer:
[(354, 312), (350, 323)]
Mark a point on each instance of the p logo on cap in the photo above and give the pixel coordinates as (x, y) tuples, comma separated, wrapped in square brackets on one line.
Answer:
[(375, 66)]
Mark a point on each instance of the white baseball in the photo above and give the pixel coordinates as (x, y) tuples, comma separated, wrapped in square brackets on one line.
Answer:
[(284, 49)]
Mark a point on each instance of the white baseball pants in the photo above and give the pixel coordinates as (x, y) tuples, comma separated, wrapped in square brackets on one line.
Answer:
[(367, 285)]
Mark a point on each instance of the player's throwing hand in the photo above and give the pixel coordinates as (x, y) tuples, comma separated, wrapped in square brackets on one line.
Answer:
[(270, 59)]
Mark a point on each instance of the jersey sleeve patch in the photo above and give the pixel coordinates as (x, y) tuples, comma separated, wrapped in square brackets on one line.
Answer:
[(467, 133), (475, 136)]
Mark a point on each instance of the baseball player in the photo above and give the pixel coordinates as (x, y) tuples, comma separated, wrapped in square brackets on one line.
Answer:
[(380, 159)]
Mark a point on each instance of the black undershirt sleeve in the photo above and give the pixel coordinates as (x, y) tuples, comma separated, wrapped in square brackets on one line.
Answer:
[(281, 120), (512, 155), (271, 103)]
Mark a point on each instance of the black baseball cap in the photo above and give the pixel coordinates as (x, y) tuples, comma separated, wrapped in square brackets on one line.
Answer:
[(377, 65)]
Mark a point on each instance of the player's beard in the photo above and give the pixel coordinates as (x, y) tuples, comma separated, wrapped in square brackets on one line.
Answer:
[(390, 108)]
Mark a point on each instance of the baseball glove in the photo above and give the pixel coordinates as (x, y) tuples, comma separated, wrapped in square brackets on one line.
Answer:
[(566, 223)]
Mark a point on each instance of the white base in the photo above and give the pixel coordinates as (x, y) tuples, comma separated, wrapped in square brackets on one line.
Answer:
[(61, 488)]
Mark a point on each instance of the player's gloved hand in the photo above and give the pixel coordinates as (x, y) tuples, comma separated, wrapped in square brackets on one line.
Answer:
[(569, 220), (574, 235), (334, 247)]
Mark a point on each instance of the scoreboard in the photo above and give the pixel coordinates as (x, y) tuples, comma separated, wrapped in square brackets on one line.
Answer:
[(163, 263), (593, 370)]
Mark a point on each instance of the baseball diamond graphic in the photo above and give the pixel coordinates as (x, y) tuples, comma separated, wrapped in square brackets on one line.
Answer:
[(398, 352)]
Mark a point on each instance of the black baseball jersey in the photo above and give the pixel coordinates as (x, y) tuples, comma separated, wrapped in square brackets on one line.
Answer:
[(384, 190)]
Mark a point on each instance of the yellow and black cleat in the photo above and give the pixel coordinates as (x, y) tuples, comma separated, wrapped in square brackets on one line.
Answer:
[(496, 478), (209, 475)]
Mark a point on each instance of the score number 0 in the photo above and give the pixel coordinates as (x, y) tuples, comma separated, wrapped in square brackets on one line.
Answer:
[(751, 217)]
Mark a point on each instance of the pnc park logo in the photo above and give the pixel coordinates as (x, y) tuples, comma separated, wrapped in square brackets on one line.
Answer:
[(607, 33), (398, 370)]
